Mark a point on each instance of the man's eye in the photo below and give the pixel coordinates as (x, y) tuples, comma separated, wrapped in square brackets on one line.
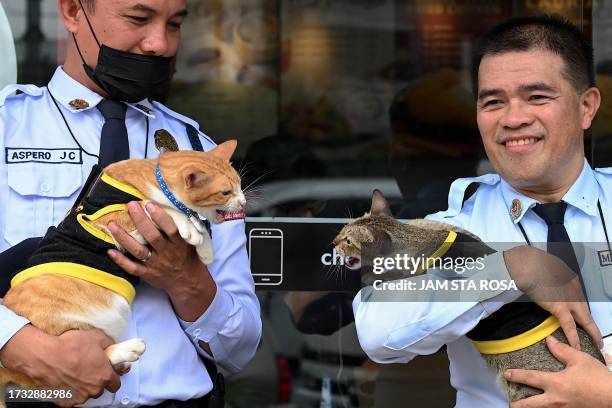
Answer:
[(491, 103), (538, 98), (138, 19), (174, 25)]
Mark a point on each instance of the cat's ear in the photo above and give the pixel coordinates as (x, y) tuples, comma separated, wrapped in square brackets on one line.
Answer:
[(380, 205), (194, 178), (225, 150)]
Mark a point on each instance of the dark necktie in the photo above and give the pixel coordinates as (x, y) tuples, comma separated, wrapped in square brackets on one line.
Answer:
[(114, 144), (559, 243)]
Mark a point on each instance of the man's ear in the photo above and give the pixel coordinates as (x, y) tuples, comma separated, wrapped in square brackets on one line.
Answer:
[(589, 105), (194, 178), (380, 205), (70, 12)]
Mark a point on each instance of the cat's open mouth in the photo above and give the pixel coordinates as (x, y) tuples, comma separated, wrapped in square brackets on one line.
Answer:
[(352, 262), (229, 215)]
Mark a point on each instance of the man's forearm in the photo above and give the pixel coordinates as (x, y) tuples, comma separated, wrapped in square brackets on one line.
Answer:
[(192, 301), (394, 326)]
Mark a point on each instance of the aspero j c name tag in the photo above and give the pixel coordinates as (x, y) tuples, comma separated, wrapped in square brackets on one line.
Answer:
[(40, 155)]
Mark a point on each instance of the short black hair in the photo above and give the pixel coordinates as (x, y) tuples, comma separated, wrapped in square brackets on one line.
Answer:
[(545, 32)]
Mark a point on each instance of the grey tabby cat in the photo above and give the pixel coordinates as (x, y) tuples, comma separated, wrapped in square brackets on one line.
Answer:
[(418, 237)]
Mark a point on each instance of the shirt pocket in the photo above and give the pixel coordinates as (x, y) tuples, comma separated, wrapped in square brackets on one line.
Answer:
[(39, 196)]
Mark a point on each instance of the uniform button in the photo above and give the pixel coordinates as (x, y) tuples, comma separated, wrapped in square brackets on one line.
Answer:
[(197, 332), (125, 401), (44, 187)]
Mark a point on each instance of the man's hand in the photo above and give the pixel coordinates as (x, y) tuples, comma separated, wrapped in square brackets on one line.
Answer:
[(174, 265), (584, 382), (554, 287), (74, 360)]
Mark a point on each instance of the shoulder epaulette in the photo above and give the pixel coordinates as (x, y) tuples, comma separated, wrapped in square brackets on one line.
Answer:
[(463, 189), (9, 91), (604, 170)]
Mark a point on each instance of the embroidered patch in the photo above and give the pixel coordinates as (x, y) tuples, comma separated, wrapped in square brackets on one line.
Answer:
[(165, 142), (516, 209), (605, 258), (78, 104), (34, 155)]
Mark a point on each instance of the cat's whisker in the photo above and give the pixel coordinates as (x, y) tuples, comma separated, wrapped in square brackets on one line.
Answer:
[(257, 180), (244, 169), (328, 272), (256, 189)]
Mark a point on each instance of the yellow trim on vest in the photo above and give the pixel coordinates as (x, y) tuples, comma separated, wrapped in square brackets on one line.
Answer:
[(520, 341), (448, 242), (86, 273), (121, 186), (85, 221)]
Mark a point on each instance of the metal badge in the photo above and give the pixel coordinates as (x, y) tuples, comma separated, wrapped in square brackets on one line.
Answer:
[(143, 108), (164, 142), (516, 209), (78, 104)]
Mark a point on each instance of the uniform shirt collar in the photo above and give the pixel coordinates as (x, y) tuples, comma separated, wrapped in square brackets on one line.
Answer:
[(72, 94), (511, 197), (583, 195), (76, 97)]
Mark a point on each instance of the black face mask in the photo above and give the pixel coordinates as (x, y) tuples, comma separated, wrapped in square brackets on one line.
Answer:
[(126, 76)]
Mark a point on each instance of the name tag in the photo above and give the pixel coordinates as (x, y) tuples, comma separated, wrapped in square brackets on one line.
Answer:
[(34, 155), (605, 258)]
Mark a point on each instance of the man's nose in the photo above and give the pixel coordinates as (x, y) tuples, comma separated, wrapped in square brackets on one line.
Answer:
[(517, 114), (156, 42)]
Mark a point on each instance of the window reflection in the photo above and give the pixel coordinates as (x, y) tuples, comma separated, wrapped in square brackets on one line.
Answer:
[(330, 99)]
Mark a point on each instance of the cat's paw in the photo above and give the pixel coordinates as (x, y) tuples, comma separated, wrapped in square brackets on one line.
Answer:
[(205, 253), (125, 352), (189, 233), (196, 239)]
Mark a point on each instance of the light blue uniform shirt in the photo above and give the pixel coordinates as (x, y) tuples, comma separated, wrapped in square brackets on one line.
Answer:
[(396, 332), (42, 170)]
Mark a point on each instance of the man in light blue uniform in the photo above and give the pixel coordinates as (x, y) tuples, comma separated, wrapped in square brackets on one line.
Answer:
[(49, 141), (536, 97)]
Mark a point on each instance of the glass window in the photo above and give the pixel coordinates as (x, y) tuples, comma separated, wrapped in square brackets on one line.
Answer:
[(329, 100)]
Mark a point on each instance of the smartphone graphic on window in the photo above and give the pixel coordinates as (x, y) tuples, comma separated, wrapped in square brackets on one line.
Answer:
[(266, 255)]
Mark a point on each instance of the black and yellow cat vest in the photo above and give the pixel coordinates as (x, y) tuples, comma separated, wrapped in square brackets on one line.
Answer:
[(515, 325), (77, 248)]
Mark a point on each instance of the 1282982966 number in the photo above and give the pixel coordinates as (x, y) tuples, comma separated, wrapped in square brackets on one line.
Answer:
[(37, 394)]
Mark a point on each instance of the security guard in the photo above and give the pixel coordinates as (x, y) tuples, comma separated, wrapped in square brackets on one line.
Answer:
[(536, 97), (95, 110)]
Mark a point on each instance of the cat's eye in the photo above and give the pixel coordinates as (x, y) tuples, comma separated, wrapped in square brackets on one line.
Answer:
[(348, 241), (226, 193)]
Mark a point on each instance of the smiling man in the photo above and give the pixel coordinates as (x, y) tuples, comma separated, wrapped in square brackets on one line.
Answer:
[(97, 109), (536, 96)]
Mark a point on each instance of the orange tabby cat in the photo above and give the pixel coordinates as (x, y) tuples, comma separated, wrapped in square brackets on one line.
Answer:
[(58, 295)]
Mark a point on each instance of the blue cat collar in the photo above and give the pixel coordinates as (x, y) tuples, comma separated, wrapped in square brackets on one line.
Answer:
[(192, 215), (175, 201)]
